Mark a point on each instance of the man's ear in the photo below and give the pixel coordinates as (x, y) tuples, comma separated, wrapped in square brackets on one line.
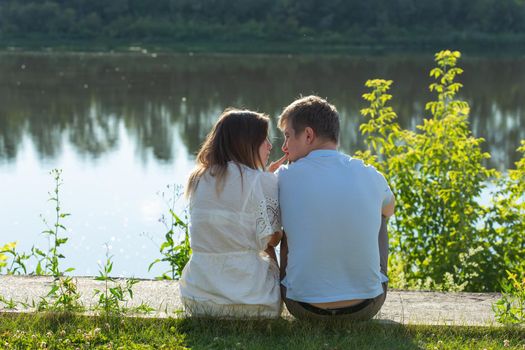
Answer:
[(310, 135)]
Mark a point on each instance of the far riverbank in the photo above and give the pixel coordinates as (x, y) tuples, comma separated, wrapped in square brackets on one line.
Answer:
[(484, 45)]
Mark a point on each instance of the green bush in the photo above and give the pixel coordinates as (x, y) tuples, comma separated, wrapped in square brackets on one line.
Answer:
[(441, 236), (505, 224)]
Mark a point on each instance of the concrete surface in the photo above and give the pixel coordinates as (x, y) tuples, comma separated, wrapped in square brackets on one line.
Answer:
[(406, 307)]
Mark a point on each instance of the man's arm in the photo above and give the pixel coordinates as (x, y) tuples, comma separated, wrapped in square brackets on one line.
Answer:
[(383, 246), (283, 256), (388, 210)]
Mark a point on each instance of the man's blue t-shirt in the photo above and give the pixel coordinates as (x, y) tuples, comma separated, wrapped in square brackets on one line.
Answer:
[(331, 212)]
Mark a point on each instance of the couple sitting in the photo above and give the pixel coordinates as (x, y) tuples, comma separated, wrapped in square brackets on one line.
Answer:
[(327, 210)]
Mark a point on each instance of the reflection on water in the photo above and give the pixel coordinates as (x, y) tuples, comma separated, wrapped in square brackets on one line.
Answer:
[(80, 99), (134, 122)]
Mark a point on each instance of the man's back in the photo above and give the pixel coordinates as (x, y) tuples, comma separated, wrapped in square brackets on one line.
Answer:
[(331, 212)]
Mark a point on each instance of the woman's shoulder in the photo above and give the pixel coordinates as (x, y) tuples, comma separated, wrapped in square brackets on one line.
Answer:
[(268, 183), (250, 176), (267, 177), (239, 167)]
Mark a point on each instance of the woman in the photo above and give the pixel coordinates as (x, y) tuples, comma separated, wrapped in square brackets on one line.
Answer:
[(234, 223)]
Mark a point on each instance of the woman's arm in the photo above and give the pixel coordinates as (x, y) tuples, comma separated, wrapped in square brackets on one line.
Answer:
[(274, 241)]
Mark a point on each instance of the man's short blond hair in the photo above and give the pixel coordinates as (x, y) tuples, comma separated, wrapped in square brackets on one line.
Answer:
[(314, 112)]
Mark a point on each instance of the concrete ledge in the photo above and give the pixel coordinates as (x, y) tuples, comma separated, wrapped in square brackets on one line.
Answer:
[(405, 307)]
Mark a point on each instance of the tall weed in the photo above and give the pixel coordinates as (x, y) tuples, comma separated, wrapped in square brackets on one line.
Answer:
[(175, 251), (63, 294), (510, 309), (113, 299)]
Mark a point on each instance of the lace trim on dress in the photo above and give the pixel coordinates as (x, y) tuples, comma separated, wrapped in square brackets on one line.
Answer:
[(268, 218)]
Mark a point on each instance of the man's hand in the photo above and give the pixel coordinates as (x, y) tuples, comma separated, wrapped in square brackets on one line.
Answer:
[(275, 239), (275, 165), (284, 256)]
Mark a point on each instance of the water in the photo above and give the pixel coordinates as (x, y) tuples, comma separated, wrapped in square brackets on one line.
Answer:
[(123, 126)]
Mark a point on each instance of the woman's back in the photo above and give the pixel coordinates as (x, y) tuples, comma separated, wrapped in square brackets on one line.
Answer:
[(225, 222), (229, 274)]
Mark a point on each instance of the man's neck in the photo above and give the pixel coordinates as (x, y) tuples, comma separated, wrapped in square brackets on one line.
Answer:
[(324, 145)]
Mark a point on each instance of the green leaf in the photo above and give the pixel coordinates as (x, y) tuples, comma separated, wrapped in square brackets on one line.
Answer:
[(153, 263)]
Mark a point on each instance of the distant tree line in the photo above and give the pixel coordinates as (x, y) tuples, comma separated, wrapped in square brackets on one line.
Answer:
[(331, 21)]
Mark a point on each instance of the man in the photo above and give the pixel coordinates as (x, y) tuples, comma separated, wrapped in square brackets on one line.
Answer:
[(334, 254)]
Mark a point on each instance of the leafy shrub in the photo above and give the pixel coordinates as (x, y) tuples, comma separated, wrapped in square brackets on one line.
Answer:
[(505, 224), (437, 175)]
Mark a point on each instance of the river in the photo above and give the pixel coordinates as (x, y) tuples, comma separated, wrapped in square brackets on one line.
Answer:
[(123, 126)]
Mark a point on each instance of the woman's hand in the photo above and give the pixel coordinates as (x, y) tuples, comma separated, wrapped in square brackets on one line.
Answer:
[(275, 165)]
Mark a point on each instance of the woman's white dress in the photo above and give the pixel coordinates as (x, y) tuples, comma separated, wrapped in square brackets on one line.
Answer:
[(229, 274)]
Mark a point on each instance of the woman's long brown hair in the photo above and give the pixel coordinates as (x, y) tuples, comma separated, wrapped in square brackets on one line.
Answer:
[(236, 137)]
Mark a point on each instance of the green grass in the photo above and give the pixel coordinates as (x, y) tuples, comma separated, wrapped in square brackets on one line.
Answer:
[(55, 331)]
